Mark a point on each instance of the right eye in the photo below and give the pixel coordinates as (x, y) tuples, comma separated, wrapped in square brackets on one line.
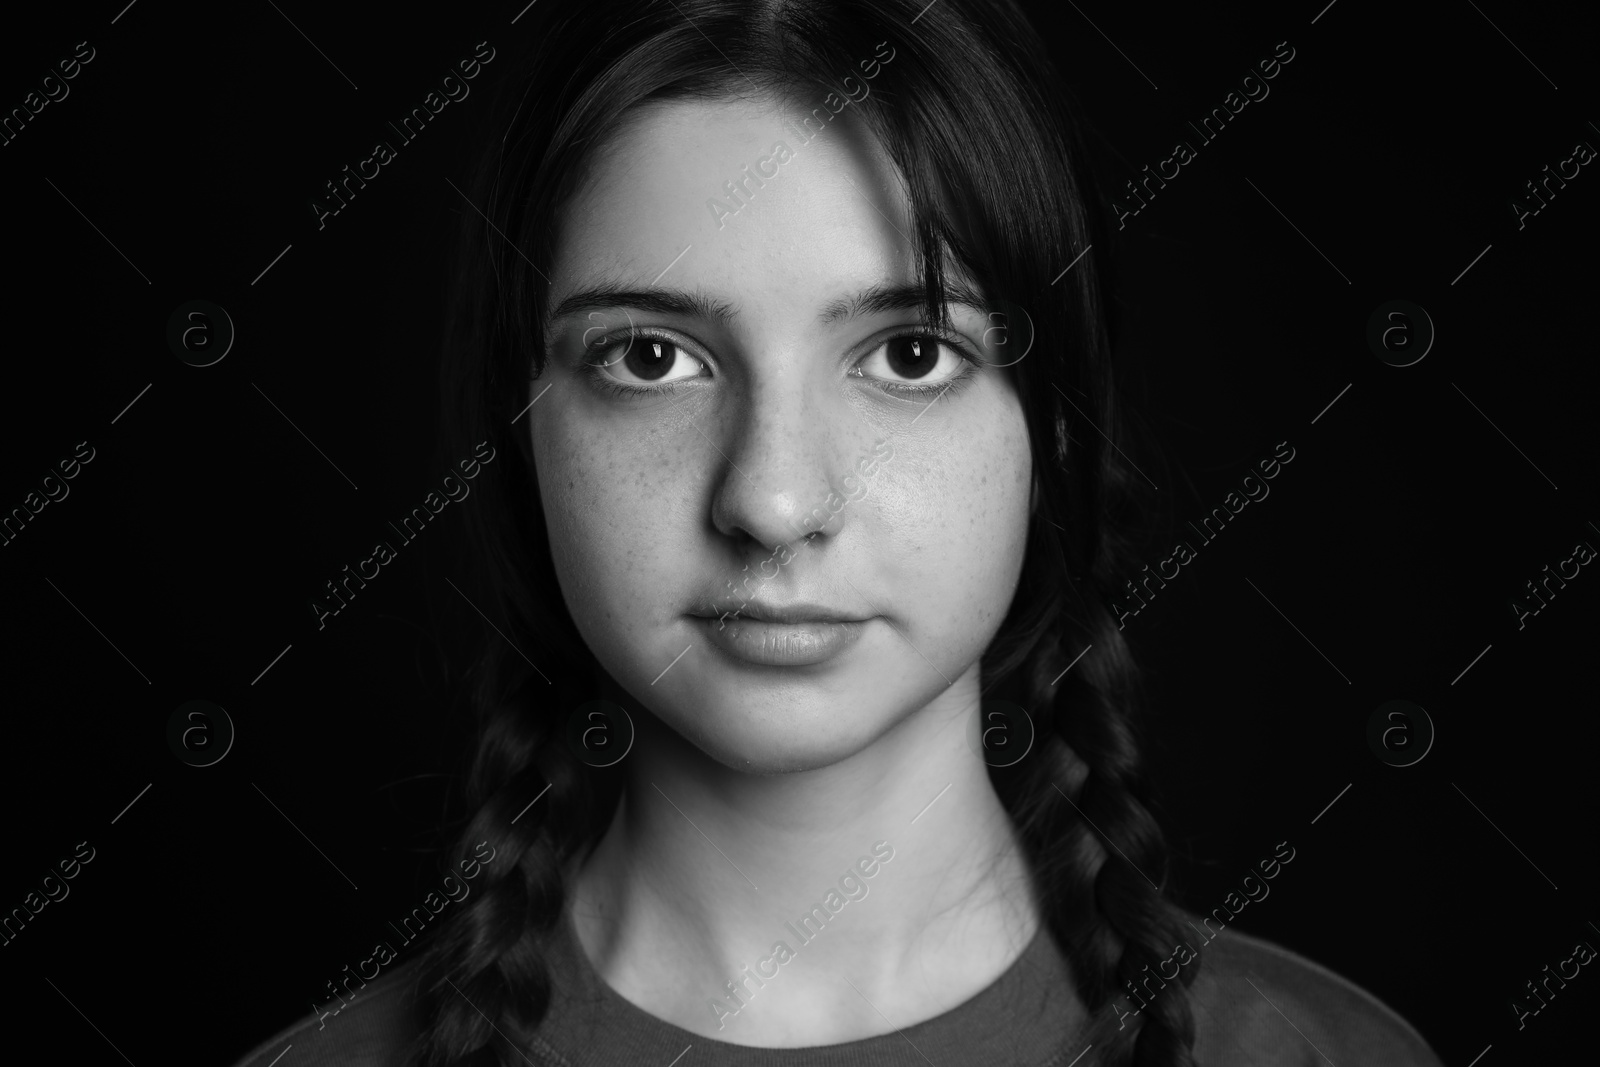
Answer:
[(644, 360)]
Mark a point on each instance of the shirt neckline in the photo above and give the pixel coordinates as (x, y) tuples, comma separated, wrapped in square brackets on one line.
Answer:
[(1027, 1015)]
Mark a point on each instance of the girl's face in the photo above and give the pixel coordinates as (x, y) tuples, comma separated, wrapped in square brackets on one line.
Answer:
[(780, 379)]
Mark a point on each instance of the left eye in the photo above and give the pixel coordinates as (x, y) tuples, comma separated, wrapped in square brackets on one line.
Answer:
[(913, 358), (639, 360)]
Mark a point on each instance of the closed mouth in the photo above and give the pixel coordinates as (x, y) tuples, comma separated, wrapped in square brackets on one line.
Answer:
[(787, 615), (795, 636)]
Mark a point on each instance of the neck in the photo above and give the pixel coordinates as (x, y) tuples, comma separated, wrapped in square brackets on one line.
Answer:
[(897, 867)]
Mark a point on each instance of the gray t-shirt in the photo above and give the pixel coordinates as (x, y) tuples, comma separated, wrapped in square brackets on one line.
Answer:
[(1253, 1003)]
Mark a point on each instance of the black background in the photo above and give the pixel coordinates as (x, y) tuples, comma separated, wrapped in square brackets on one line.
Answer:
[(189, 547)]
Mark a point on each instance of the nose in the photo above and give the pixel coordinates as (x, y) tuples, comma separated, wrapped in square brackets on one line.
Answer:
[(786, 450)]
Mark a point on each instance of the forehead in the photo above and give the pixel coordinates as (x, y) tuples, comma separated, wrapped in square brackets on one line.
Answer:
[(656, 208)]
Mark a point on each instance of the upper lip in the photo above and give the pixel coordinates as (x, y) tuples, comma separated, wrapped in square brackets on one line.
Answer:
[(796, 612)]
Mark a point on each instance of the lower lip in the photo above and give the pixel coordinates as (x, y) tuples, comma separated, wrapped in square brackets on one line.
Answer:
[(780, 644)]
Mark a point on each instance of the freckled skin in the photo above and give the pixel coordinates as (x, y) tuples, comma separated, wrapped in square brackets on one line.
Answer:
[(655, 503)]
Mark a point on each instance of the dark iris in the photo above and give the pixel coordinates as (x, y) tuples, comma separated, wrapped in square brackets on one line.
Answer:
[(650, 359), (913, 357)]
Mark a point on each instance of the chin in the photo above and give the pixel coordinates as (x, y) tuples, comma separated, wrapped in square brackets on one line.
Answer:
[(744, 738)]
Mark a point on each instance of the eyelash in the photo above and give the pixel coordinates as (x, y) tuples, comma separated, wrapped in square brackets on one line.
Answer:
[(608, 385)]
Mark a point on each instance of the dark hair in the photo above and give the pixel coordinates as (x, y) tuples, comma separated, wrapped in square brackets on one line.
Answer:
[(981, 129)]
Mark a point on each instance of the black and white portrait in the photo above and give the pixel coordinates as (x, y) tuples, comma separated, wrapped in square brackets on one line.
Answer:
[(800, 533)]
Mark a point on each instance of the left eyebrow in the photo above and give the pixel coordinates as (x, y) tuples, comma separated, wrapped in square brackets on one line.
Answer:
[(667, 301), (880, 298)]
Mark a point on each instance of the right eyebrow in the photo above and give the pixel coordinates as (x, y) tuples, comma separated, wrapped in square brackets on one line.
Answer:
[(880, 298), (670, 301)]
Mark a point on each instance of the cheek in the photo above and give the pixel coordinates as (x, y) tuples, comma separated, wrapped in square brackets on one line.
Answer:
[(956, 519), (992, 517), (613, 505)]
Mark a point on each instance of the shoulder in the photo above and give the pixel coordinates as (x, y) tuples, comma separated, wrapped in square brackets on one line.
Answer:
[(373, 1028), (1255, 1000)]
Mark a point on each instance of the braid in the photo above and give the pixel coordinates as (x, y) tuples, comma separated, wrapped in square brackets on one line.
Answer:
[(484, 975), (1110, 911), (1098, 856)]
